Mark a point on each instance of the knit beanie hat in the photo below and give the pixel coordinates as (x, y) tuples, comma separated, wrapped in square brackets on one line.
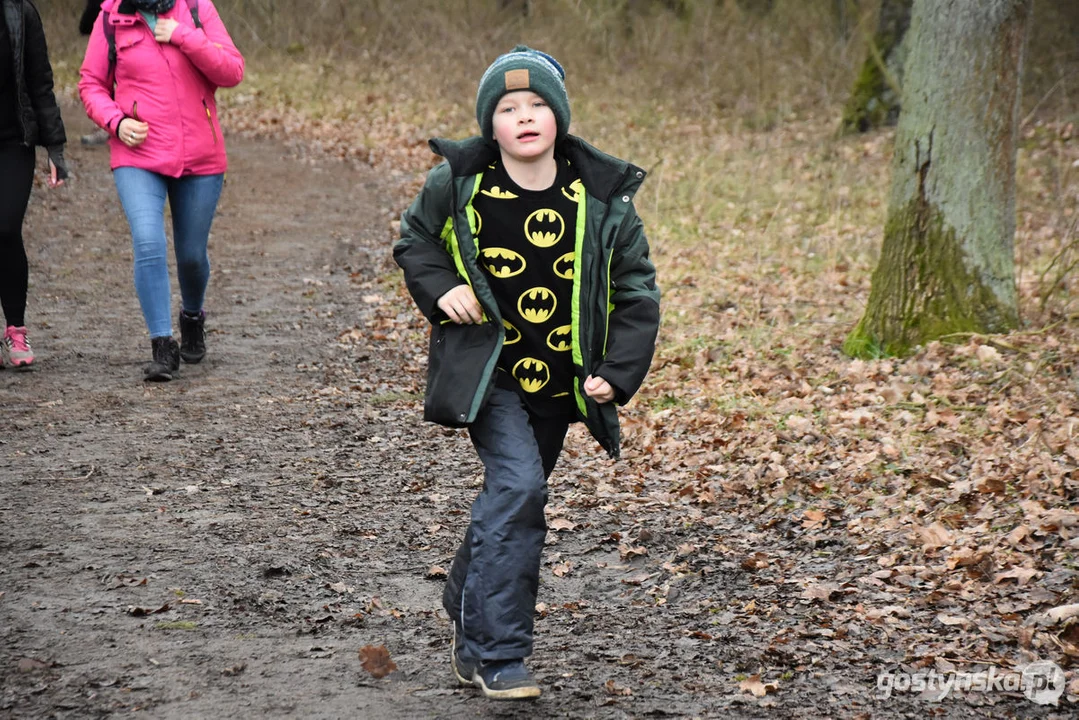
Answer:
[(523, 69)]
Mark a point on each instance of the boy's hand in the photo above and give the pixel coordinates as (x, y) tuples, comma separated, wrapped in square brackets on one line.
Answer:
[(598, 389), (461, 306)]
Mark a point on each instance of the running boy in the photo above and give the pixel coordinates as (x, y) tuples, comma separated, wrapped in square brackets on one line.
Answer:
[(525, 252)]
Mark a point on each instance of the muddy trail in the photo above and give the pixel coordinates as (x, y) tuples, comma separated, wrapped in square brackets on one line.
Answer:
[(225, 544)]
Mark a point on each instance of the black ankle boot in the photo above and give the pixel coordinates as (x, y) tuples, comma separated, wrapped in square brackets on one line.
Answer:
[(166, 359), (192, 336)]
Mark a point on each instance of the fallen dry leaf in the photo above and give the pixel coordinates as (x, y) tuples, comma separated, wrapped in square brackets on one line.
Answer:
[(637, 579), (143, 612), (813, 519), (1021, 575), (935, 536), (376, 660), (821, 591), (1063, 612), (753, 684)]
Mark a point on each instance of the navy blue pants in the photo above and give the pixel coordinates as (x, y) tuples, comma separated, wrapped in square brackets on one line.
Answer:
[(491, 590)]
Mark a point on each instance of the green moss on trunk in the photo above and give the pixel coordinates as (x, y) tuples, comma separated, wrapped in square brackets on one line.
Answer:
[(874, 100), (871, 101), (924, 289)]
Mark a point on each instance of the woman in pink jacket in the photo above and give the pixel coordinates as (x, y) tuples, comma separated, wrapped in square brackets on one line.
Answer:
[(149, 77)]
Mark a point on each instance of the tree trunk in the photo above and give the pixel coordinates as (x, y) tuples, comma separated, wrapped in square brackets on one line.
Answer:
[(874, 101), (947, 262)]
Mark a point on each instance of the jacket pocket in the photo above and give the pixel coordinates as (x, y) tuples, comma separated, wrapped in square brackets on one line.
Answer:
[(210, 119), (456, 366), (129, 66), (126, 43)]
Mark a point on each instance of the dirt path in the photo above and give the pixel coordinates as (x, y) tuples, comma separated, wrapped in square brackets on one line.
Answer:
[(223, 545)]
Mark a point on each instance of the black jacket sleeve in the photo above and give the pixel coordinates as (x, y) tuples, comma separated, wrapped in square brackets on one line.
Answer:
[(421, 252), (39, 87), (89, 15), (634, 321)]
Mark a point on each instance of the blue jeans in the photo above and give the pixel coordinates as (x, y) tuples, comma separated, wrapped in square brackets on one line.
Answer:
[(193, 201), (491, 589)]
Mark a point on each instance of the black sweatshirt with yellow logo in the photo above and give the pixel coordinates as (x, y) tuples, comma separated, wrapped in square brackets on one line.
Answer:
[(526, 240)]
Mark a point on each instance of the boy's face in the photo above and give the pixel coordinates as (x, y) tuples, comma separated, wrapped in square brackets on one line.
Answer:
[(524, 126)]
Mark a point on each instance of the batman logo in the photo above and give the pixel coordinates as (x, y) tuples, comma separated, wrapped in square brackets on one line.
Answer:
[(561, 338), (544, 228), (512, 334), (577, 187), (537, 304), (498, 193), (502, 263), (475, 221), (563, 266), (533, 374)]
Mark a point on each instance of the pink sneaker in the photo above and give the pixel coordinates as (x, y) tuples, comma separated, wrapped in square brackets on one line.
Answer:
[(17, 350)]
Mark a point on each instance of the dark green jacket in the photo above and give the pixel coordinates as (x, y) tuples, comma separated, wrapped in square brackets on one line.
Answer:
[(615, 302)]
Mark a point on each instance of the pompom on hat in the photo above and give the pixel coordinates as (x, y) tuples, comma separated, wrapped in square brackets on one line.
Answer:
[(523, 69)]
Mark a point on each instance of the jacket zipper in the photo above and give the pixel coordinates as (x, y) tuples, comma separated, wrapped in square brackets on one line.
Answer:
[(459, 261), (210, 119)]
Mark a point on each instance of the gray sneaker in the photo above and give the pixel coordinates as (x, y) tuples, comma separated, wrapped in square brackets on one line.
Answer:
[(463, 668), (506, 680), (98, 137)]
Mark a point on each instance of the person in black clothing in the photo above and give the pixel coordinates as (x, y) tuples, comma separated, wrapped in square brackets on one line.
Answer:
[(29, 117), (89, 15), (86, 26)]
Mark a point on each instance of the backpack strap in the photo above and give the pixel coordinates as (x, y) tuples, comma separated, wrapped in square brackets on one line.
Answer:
[(193, 8), (110, 38)]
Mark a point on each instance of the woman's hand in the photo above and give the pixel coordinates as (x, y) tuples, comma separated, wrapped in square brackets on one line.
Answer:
[(598, 389), (461, 306), (53, 181), (164, 28), (133, 132)]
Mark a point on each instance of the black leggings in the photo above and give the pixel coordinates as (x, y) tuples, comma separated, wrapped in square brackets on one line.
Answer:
[(17, 177)]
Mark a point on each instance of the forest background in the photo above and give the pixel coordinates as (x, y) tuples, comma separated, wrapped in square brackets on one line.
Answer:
[(954, 471)]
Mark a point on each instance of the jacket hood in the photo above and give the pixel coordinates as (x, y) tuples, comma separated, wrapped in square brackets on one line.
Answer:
[(603, 175)]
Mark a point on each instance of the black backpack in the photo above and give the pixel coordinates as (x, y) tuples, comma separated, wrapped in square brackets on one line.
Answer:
[(110, 35)]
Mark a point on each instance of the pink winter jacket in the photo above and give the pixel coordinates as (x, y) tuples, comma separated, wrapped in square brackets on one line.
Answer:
[(170, 86)]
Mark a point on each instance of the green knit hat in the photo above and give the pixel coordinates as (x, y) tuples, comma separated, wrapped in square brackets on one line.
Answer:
[(523, 69)]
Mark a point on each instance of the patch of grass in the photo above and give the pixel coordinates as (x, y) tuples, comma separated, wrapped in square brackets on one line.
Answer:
[(176, 625), (389, 398), (667, 402)]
